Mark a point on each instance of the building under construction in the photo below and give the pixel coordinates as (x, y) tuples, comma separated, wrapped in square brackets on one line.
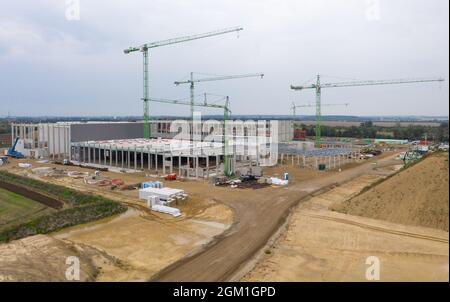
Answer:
[(119, 145), (157, 156)]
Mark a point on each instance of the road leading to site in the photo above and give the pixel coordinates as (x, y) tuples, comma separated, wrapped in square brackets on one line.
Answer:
[(256, 220)]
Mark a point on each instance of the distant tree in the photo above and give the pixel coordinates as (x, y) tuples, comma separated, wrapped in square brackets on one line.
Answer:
[(442, 132), (5, 127), (352, 131), (369, 130), (367, 124)]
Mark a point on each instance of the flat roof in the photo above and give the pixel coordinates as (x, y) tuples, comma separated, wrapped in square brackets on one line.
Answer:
[(156, 145)]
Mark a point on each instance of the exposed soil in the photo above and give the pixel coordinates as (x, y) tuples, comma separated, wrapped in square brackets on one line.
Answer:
[(259, 213), (143, 245), (417, 196), (322, 245), (139, 242), (199, 246), (42, 258)]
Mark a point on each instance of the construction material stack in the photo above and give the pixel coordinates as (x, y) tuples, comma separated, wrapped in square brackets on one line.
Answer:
[(165, 195)]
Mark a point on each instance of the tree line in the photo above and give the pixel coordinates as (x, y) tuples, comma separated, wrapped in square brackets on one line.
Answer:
[(5, 127), (369, 130)]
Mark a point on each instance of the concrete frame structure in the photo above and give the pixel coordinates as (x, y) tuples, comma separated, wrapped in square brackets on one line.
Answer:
[(333, 155), (156, 156), (54, 140), (42, 140), (119, 145)]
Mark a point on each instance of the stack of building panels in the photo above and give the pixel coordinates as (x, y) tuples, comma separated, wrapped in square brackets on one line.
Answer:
[(165, 195)]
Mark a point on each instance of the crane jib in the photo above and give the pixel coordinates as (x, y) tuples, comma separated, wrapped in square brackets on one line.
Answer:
[(318, 86), (144, 49)]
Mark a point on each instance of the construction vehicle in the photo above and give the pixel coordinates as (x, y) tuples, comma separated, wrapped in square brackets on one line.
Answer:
[(318, 87), (191, 82), (12, 152), (3, 160), (144, 49)]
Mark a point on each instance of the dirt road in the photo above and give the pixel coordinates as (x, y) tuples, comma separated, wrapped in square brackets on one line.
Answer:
[(256, 219), (319, 244)]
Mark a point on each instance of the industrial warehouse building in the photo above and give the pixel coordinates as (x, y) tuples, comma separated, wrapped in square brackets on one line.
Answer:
[(53, 140), (120, 145)]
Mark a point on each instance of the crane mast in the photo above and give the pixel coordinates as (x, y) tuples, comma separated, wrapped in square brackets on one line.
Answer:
[(144, 49), (191, 82), (318, 112), (318, 88), (226, 116), (295, 106)]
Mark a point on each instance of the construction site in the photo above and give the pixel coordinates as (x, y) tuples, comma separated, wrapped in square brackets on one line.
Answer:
[(229, 199)]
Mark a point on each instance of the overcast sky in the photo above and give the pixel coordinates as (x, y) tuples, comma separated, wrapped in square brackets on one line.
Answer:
[(51, 64)]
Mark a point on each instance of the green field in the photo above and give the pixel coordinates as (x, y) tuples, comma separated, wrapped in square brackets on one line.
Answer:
[(16, 209), (21, 218)]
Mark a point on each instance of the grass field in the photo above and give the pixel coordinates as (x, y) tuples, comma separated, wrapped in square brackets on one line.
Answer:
[(78, 207), (16, 209)]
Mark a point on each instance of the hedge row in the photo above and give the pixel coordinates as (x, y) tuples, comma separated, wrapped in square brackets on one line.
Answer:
[(69, 196), (83, 208)]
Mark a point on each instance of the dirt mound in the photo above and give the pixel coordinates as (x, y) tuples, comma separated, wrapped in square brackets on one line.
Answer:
[(416, 196), (41, 258)]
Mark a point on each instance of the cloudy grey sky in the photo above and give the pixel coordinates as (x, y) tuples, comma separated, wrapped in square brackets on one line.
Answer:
[(52, 66)]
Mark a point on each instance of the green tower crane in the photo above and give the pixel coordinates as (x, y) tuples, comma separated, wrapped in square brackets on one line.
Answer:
[(295, 106), (318, 87), (226, 116), (144, 49), (191, 82)]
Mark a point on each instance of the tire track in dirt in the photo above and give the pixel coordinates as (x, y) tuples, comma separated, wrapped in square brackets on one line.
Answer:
[(376, 228), (255, 223)]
